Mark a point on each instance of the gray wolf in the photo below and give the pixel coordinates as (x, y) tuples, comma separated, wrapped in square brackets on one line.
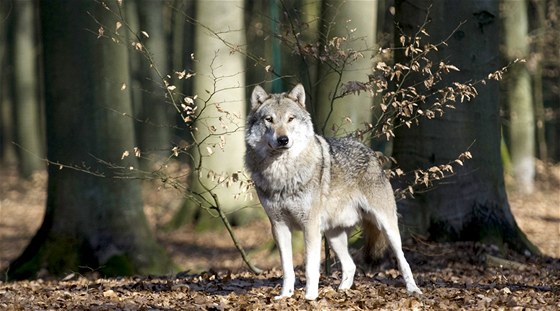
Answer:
[(319, 185)]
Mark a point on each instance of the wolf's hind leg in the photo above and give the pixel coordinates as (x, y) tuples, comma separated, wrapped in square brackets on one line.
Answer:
[(338, 239), (390, 227), (283, 238)]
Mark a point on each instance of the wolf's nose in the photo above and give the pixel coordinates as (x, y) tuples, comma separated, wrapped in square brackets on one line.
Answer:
[(283, 140)]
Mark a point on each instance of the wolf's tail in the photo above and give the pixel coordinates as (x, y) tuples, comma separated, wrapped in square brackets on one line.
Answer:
[(375, 243)]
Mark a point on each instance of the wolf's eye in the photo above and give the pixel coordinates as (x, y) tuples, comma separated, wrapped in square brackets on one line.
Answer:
[(268, 119), (291, 118)]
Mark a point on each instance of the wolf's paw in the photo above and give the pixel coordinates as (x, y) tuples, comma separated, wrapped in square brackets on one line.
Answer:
[(311, 296), (413, 290), (312, 289), (284, 294), (346, 284)]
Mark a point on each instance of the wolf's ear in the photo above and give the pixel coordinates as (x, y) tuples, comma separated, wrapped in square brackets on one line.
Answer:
[(298, 93), (258, 97)]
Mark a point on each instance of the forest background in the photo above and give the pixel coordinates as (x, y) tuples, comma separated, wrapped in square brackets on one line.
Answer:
[(127, 118)]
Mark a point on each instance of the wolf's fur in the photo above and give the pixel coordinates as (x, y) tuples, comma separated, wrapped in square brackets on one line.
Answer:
[(319, 185)]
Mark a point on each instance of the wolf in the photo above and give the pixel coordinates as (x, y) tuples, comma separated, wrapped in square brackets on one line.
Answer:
[(318, 185)]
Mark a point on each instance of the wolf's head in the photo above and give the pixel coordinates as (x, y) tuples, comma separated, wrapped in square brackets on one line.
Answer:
[(278, 123)]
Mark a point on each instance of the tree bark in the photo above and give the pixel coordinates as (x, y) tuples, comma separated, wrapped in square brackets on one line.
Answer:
[(472, 204), (91, 222)]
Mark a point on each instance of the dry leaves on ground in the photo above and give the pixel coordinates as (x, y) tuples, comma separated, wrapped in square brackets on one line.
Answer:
[(467, 276), (452, 276)]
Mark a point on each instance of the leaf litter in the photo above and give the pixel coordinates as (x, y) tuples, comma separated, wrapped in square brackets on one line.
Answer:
[(464, 275)]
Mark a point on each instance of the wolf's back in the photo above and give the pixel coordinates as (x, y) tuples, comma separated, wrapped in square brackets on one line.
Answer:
[(353, 161)]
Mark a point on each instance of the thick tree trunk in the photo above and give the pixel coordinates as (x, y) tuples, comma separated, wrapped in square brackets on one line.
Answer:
[(91, 222), (29, 133), (472, 204), (355, 20)]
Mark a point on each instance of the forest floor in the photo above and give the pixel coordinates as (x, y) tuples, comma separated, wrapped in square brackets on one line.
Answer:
[(452, 276)]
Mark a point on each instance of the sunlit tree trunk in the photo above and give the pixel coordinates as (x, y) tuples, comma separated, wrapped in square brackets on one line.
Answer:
[(519, 95), (91, 222), (355, 20), (29, 133), (219, 134), (472, 204)]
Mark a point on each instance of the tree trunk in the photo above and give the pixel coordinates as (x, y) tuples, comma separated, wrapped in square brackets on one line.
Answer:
[(257, 32), (302, 25), (7, 152), (91, 222), (27, 113), (537, 75), (472, 204), (156, 114), (307, 69), (182, 45), (355, 20), (519, 95), (219, 132)]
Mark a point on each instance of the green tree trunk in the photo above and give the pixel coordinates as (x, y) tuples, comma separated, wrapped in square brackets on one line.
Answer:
[(355, 20), (27, 112), (91, 222), (519, 95), (472, 204)]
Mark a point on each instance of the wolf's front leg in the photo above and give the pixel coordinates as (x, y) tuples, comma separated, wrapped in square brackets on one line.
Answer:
[(283, 238), (312, 235)]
